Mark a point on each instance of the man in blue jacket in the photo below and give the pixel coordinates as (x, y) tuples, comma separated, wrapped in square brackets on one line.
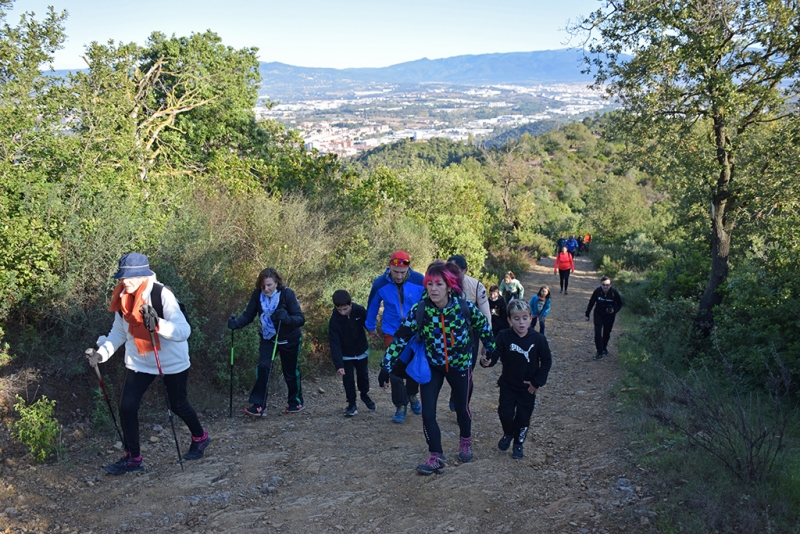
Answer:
[(398, 289), (572, 245)]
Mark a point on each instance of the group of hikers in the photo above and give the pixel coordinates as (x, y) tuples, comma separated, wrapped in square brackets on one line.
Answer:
[(434, 326)]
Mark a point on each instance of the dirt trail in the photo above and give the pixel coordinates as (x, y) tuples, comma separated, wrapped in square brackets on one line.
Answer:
[(319, 472)]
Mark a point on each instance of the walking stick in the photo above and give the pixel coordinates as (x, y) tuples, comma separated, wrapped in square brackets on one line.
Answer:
[(166, 397), (230, 407), (271, 363), (108, 401)]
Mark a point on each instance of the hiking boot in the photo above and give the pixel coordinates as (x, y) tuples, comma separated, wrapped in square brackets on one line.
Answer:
[(599, 355), (605, 352), (516, 452), (197, 447), (366, 400), (127, 464), (255, 411), (351, 410), (435, 464), (400, 414), (465, 450), (505, 442), (416, 406), (294, 409)]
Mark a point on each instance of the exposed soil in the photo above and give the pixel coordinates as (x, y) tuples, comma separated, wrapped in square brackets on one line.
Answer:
[(317, 471)]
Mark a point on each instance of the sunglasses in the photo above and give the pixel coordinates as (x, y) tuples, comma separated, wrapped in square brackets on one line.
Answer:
[(396, 261)]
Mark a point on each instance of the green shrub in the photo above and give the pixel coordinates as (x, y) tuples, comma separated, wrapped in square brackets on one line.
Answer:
[(36, 428)]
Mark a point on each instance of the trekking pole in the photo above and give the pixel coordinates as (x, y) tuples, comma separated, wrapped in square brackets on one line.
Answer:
[(230, 407), (271, 364), (108, 401), (166, 397)]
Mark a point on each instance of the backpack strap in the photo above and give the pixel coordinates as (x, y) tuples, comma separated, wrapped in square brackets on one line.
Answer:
[(155, 298)]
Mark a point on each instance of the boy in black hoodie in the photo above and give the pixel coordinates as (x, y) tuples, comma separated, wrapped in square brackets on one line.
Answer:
[(350, 349), (526, 362)]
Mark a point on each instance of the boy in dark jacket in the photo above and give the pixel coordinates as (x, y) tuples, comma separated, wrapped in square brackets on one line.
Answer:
[(609, 302), (497, 305), (526, 363), (350, 349)]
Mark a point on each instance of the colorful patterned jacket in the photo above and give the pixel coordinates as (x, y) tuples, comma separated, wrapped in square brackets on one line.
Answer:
[(444, 332)]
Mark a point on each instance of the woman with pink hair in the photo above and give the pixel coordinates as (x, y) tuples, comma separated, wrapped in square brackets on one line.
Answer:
[(443, 324)]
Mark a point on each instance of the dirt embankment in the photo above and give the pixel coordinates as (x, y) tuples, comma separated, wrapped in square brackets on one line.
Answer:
[(319, 472)]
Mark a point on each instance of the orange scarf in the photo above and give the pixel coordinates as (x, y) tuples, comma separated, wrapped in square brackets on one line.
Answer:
[(130, 305)]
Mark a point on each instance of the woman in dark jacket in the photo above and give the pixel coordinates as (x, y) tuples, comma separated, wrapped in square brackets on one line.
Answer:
[(281, 319)]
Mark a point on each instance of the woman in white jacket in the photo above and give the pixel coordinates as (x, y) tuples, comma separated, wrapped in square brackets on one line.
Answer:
[(130, 301)]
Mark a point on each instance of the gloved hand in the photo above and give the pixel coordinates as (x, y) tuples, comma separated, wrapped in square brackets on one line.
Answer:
[(383, 378), (279, 316), (233, 324), (93, 357), (149, 317)]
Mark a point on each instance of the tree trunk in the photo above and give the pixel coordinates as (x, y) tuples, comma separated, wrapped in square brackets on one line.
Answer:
[(721, 228)]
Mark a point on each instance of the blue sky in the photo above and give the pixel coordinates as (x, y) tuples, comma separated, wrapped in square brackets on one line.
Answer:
[(324, 33)]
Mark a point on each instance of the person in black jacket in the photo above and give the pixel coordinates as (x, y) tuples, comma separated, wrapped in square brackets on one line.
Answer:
[(497, 305), (526, 362), (281, 319), (608, 303), (350, 349)]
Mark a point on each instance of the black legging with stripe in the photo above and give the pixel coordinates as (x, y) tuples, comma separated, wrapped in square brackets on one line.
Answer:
[(429, 395)]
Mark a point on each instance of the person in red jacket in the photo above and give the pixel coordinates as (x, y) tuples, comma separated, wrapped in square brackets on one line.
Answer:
[(564, 265)]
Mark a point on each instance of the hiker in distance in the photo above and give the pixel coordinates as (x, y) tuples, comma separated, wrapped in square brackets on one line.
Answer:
[(526, 363), (565, 265), (511, 288), (350, 349), (136, 296), (606, 301), (280, 321), (398, 292), (442, 320)]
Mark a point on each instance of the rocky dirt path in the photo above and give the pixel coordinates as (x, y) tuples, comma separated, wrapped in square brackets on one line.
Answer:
[(319, 472)]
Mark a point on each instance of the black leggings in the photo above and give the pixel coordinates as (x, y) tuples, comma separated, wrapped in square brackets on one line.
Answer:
[(291, 373), (360, 369), (563, 278), (133, 390), (429, 395), (603, 323), (515, 409)]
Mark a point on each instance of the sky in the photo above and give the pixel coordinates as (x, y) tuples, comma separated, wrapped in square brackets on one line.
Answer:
[(323, 33)]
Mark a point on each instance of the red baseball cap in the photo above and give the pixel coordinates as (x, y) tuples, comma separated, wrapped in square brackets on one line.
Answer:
[(400, 258)]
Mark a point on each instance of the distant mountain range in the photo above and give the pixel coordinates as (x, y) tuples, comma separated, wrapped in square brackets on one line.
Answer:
[(547, 66)]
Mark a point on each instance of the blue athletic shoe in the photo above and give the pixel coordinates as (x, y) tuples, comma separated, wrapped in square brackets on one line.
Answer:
[(400, 414), (416, 405)]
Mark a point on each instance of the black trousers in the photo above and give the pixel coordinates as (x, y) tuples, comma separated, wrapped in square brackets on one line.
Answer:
[(289, 354), (603, 323), (359, 368), (515, 410), (133, 390), (429, 395), (563, 278)]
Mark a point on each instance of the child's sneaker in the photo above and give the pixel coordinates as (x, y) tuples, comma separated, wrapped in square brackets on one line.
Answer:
[(416, 406), (516, 452), (400, 414), (435, 464), (255, 411), (197, 447), (351, 410), (465, 450), (599, 355), (294, 409), (128, 464), (505, 442), (366, 400)]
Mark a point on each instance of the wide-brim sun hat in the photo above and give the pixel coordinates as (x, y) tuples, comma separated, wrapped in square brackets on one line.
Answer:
[(132, 265)]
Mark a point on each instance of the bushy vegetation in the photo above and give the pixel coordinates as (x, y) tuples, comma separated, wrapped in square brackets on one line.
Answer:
[(36, 427)]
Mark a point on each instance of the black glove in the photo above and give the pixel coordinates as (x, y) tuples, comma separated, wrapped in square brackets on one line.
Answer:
[(93, 357), (149, 317), (280, 316), (383, 377), (233, 324)]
